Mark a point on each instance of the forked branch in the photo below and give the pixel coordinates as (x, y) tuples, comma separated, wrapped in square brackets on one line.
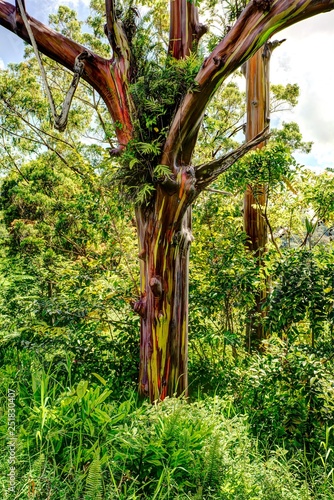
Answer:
[(104, 76), (60, 121), (208, 172)]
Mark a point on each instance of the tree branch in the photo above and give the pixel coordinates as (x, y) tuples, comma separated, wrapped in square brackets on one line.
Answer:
[(104, 75), (208, 172), (252, 29), (185, 29), (60, 121), (219, 191), (117, 36), (111, 19)]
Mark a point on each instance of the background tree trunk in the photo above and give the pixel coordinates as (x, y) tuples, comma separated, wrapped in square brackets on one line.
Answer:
[(255, 199)]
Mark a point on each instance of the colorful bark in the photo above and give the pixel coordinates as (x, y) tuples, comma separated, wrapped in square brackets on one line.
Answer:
[(255, 199), (164, 239), (257, 96), (164, 234), (185, 29)]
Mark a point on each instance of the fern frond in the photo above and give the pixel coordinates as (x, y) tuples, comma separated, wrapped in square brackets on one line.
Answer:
[(212, 474), (93, 489)]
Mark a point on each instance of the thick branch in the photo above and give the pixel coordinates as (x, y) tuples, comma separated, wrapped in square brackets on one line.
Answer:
[(208, 172), (117, 36), (102, 74), (185, 29), (252, 29)]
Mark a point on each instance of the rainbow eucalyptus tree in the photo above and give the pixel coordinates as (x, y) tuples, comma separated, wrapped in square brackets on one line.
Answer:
[(156, 149), (255, 198)]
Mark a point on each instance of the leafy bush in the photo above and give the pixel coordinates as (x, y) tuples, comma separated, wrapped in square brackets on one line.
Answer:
[(301, 302), (77, 442), (288, 395)]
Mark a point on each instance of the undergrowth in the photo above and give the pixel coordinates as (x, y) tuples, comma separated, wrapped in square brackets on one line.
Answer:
[(79, 441)]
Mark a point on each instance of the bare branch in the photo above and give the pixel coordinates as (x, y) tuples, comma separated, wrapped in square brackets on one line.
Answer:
[(60, 122), (218, 191), (106, 77), (20, 7), (208, 172)]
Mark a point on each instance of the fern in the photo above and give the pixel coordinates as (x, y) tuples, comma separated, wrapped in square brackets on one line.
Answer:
[(37, 468), (144, 194), (212, 468), (93, 489), (161, 172)]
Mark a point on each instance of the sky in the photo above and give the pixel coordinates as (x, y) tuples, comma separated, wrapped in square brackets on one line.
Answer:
[(305, 58)]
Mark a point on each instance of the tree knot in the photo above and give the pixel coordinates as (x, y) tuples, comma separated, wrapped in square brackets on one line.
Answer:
[(263, 5), (140, 306), (219, 61), (156, 286), (200, 30), (190, 171)]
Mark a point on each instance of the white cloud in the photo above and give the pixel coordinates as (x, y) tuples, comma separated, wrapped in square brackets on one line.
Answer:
[(72, 3), (2, 64), (305, 59)]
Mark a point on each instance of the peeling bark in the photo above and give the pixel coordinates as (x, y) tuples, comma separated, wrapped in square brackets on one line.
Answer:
[(165, 236), (257, 95)]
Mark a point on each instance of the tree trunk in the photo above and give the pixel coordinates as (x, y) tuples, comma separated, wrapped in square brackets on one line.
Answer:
[(255, 199), (164, 232)]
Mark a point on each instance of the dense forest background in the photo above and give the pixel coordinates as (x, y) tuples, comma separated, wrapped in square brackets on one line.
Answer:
[(258, 422)]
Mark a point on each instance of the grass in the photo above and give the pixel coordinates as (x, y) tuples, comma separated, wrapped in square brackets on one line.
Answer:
[(80, 441)]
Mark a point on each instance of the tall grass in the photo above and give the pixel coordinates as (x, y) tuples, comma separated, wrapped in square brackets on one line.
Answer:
[(76, 440)]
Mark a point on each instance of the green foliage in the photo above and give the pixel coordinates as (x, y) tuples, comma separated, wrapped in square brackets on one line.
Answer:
[(223, 119), (318, 192), (283, 97), (222, 286), (97, 447), (94, 479), (302, 297), (66, 22), (158, 90), (271, 165), (290, 136), (234, 8), (67, 280), (289, 395)]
